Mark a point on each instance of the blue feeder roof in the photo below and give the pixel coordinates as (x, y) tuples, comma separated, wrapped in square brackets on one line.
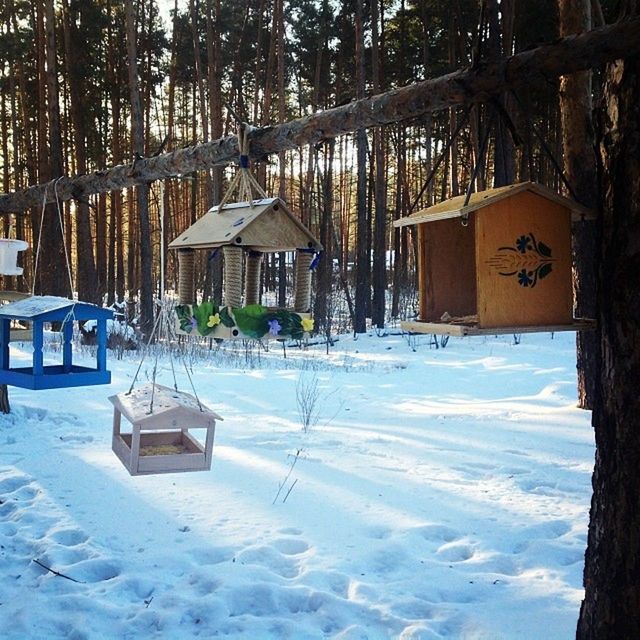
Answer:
[(52, 308)]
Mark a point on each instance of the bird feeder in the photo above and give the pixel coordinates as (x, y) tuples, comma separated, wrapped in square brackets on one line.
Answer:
[(40, 311), (244, 232), (9, 256), (161, 439), (499, 264), (20, 331)]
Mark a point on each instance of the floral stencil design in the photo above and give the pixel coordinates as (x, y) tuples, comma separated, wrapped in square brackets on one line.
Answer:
[(529, 260)]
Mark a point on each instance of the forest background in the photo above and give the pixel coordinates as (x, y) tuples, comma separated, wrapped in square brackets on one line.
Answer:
[(85, 85)]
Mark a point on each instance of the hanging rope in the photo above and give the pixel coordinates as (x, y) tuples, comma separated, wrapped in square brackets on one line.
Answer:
[(163, 325), (243, 181), (64, 241)]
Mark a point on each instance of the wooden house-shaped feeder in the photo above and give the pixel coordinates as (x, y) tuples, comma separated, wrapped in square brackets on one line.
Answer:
[(245, 231), (39, 311), (500, 264), (160, 440)]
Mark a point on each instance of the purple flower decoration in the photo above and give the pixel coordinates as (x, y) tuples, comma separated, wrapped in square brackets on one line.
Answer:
[(194, 322), (274, 327)]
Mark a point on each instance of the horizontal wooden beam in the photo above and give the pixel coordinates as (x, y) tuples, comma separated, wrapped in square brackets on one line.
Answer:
[(476, 84)]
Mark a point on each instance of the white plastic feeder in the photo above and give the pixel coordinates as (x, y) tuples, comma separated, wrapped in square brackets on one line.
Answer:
[(9, 256)]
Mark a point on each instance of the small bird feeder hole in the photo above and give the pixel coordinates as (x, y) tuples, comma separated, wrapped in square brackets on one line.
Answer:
[(163, 425), (499, 264)]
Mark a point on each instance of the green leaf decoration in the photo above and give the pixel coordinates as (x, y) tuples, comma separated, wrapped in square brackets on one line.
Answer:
[(183, 311), (202, 312), (252, 320), (297, 332), (226, 318), (544, 250), (545, 270)]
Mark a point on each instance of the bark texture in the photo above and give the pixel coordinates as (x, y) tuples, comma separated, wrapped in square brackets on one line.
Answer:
[(567, 55), (611, 607), (580, 170)]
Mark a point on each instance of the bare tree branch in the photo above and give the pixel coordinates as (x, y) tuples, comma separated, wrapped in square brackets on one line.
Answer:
[(549, 61)]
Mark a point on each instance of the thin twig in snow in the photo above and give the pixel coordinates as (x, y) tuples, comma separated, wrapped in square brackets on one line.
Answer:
[(56, 573)]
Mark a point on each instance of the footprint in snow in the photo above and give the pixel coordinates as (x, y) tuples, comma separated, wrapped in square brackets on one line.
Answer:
[(271, 559), (437, 533), (378, 532), (212, 555), (455, 552), (291, 546), (69, 537), (95, 570)]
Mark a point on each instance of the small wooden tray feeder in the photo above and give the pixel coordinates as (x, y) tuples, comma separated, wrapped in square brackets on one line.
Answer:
[(160, 440), (38, 311), (501, 264), (245, 231)]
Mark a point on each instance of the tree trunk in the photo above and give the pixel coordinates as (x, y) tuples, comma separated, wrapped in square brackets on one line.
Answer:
[(215, 114), (379, 280), (580, 170), (611, 606), (142, 192), (282, 267), (362, 266), (86, 274), (51, 276)]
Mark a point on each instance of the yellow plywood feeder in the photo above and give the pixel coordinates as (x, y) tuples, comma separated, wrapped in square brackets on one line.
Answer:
[(245, 231), (500, 264), (161, 438)]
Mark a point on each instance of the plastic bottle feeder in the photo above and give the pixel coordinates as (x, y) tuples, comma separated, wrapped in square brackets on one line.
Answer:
[(9, 256)]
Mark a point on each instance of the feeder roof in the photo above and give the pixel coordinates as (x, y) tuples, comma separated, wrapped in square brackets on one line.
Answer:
[(265, 225), (52, 308), (167, 403), (454, 207)]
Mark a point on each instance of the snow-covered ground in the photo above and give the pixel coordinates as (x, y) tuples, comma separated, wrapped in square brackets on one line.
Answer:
[(441, 493)]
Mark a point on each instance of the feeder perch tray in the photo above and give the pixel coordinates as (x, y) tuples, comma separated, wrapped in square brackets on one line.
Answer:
[(160, 440)]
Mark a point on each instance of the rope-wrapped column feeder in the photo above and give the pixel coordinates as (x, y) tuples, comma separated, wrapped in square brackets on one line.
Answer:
[(233, 256), (302, 299), (186, 276), (252, 278)]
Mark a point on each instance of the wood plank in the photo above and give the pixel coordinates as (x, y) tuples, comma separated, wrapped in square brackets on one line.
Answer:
[(460, 330), (448, 256), (502, 299)]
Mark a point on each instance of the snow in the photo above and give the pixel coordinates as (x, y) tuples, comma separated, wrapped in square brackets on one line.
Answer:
[(34, 306), (441, 493)]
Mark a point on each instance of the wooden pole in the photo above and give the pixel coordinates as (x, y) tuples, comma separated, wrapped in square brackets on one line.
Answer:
[(477, 84)]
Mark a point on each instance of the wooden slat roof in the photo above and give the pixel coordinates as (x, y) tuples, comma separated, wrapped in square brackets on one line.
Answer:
[(249, 225), (454, 207), (52, 307), (166, 401)]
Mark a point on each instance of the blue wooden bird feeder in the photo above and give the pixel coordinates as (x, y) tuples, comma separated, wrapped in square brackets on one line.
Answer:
[(40, 310)]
